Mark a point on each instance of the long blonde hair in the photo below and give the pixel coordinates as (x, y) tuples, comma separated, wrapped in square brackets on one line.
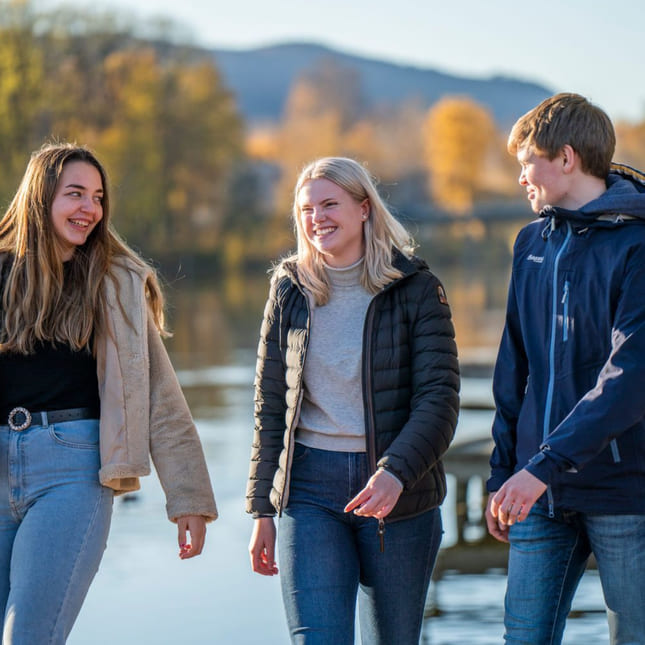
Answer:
[(40, 303), (381, 231)]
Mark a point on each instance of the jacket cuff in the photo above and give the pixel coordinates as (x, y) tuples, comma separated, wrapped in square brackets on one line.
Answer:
[(542, 467), (497, 479)]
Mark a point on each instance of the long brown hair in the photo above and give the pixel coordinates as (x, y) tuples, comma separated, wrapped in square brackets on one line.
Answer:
[(40, 303)]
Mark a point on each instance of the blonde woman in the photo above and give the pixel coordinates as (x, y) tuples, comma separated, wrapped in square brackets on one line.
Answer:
[(356, 401), (87, 395)]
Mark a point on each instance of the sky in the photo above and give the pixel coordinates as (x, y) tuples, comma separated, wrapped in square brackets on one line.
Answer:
[(593, 47)]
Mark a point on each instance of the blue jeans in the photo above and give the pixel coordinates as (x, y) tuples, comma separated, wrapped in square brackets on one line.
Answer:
[(328, 557), (546, 561), (54, 522)]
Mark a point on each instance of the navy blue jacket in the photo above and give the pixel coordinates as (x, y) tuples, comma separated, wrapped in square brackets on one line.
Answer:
[(569, 383)]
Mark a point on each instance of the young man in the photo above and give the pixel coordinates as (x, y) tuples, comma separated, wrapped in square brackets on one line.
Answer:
[(568, 469)]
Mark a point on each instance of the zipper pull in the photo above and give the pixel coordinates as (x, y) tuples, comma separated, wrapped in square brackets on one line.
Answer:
[(381, 534)]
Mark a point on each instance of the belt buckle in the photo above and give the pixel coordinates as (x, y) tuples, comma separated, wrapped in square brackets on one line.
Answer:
[(11, 419)]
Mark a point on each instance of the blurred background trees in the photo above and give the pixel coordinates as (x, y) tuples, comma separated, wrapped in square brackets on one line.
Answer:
[(459, 134), (158, 116), (192, 179)]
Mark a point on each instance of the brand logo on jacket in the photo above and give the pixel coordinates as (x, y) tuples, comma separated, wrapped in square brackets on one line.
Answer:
[(538, 259)]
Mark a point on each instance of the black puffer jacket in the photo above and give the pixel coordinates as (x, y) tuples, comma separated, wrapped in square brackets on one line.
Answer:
[(410, 387)]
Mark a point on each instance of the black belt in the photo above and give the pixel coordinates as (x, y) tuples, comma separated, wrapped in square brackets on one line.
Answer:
[(20, 418)]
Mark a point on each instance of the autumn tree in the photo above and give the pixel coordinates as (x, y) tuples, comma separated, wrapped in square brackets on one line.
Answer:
[(458, 136), (202, 135), (131, 143), (158, 114), (76, 47), (630, 143), (388, 138), (173, 137), (21, 95), (323, 104)]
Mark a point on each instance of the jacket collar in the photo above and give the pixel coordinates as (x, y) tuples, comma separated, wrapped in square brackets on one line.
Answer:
[(407, 265), (623, 200)]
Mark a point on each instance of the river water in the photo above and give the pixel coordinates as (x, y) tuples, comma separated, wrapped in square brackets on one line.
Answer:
[(144, 595)]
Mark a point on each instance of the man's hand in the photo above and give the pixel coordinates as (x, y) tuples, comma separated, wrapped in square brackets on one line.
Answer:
[(496, 529), (512, 503)]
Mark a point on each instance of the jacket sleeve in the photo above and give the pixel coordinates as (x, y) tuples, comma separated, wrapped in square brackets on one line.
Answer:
[(434, 403), (616, 402), (175, 447), (270, 409), (509, 385)]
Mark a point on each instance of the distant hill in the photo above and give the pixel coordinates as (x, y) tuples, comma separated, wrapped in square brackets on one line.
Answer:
[(261, 78)]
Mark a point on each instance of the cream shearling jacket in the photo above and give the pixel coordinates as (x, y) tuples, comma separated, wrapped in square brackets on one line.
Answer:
[(143, 410)]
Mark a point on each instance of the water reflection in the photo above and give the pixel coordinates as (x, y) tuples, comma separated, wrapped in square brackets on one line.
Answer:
[(213, 320)]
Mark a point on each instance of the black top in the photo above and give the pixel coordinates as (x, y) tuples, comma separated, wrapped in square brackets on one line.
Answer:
[(55, 377)]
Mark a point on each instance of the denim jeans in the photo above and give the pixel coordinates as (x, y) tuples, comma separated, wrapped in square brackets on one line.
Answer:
[(327, 558), (546, 561), (54, 522)]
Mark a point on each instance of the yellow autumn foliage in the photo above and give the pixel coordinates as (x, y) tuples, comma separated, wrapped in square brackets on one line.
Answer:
[(458, 135)]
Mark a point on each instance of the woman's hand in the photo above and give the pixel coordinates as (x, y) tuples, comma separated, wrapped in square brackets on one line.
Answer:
[(262, 547), (196, 526), (379, 496)]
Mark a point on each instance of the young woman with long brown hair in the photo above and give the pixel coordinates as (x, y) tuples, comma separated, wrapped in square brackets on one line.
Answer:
[(87, 395)]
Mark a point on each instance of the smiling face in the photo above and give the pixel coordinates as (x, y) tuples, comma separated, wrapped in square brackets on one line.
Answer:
[(545, 180), (77, 206), (332, 220)]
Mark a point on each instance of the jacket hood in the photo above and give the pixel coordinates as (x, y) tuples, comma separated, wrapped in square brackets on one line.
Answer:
[(623, 199)]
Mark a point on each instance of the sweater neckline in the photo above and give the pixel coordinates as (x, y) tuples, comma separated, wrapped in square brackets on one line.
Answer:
[(345, 276)]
